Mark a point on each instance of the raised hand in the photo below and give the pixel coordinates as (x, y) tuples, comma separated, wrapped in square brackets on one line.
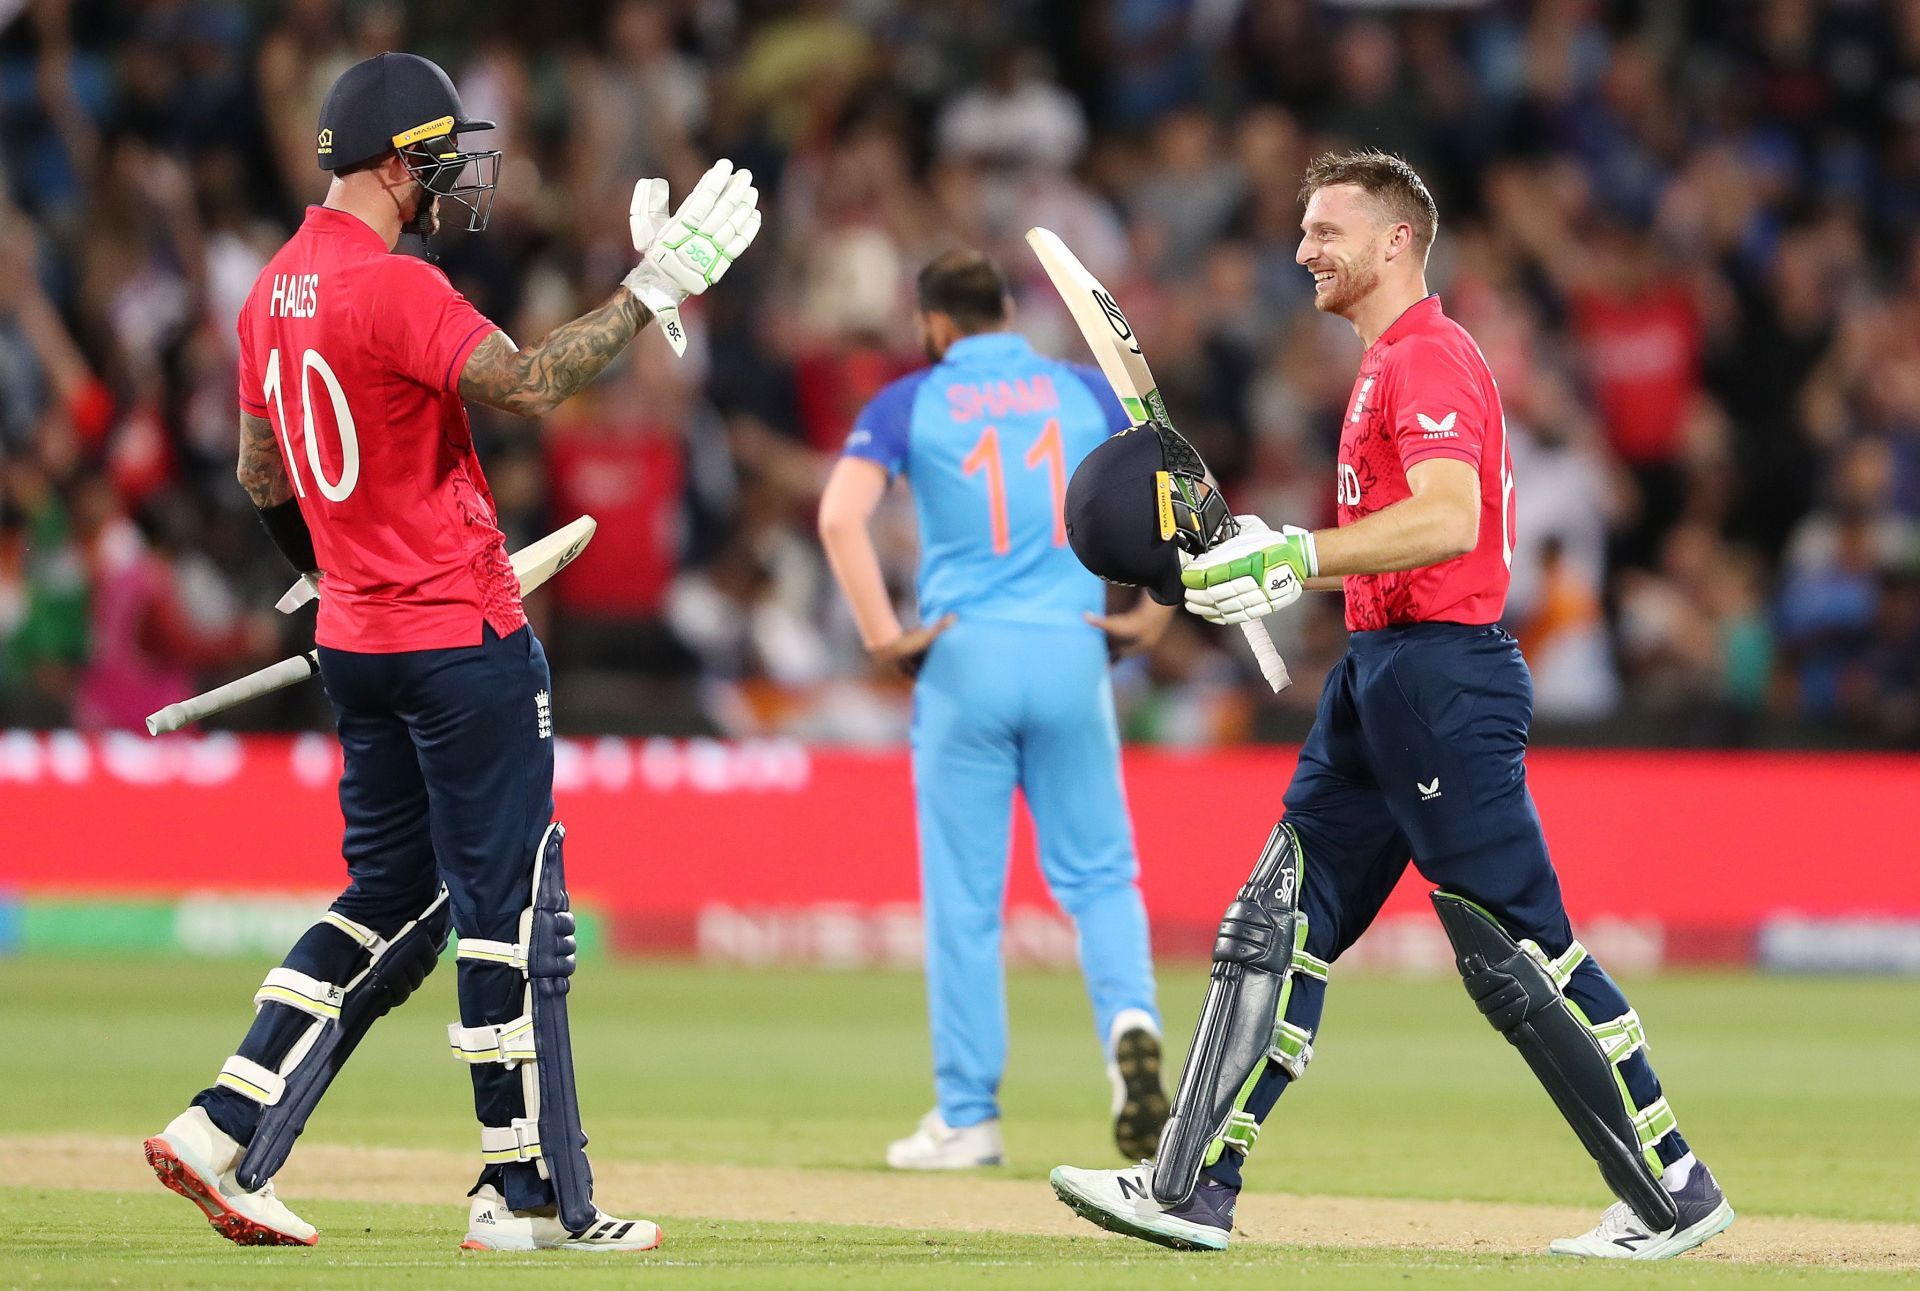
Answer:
[(685, 254)]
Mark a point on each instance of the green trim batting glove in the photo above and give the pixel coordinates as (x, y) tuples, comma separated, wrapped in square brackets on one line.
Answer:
[(1250, 575), (684, 255)]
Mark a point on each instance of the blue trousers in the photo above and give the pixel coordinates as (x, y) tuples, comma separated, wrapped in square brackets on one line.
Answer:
[(448, 758), (1417, 753), (999, 706)]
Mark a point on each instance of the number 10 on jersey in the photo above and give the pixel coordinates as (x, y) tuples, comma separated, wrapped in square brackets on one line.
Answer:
[(1047, 451), (311, 364)]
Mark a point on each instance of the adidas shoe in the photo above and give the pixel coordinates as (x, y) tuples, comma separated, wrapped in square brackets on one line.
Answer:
[(492, 1227)]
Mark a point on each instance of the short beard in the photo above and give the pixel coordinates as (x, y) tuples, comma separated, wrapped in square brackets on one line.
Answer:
[(426, 216), (1348, 290)]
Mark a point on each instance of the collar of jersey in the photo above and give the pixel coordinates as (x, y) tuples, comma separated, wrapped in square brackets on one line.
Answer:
[(347, 224), (986, 347), (1412, 319)]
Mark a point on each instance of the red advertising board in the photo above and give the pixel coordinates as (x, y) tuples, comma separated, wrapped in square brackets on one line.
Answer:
[(664, 834)]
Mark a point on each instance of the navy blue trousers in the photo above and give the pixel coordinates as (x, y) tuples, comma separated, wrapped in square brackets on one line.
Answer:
[(1417, 755), (448, 778)]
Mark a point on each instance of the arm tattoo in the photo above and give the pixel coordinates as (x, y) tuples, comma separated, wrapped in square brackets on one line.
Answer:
[(536, 380), (262, 473)]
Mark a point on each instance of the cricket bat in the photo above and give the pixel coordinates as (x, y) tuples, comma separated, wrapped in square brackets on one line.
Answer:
[(1114, 346), (533, 565)]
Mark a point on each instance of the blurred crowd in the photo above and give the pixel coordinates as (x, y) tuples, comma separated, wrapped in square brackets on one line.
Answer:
[(1684, 233)]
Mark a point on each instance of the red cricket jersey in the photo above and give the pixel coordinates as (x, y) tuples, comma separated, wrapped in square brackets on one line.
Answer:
[(1424, 391), (353, 355)]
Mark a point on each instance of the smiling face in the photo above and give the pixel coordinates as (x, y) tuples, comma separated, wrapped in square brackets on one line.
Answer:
[(1346, 242)]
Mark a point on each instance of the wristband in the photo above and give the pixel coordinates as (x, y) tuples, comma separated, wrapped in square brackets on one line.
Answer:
[(288, 529)]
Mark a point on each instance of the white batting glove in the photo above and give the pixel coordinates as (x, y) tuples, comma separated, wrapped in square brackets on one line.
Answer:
[(684, 255), (1252, 574)]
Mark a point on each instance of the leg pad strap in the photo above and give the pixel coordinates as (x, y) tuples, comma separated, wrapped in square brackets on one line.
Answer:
[(519, 1140), (297, 990), (505, 1042), (247, 1077)]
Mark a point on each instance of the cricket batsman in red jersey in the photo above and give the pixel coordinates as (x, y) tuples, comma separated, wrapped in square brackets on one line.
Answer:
[(354, 446), (1416, 754)]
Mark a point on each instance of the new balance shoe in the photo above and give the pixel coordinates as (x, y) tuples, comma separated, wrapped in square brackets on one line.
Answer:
[(1122, 1201), (1139, 1099), (935, 1145), (1704, 1211), (492, 1227), (196, 1159)]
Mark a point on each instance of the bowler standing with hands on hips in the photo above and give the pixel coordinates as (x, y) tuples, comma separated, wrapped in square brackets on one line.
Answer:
[(1010, 690), (1416, 753), (354, 446)]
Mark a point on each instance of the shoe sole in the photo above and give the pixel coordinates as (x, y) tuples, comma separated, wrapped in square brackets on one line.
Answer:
[(579, 1248), (1136, 1130), (182, 1178), (1717, 1221), (1092, 1211)]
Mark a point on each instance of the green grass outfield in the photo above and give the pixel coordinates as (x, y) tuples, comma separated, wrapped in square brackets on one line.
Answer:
[(1804, 1095)]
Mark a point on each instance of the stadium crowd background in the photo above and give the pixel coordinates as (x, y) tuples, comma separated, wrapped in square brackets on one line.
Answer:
[(1684, 234)]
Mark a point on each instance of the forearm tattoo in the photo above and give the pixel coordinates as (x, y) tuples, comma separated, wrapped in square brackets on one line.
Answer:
[(262, 473), (538, 379)]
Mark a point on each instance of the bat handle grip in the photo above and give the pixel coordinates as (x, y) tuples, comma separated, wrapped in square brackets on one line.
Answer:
[(1272, 666)]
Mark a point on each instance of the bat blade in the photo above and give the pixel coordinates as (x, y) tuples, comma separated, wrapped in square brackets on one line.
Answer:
[(544, 557), (1104, 326)]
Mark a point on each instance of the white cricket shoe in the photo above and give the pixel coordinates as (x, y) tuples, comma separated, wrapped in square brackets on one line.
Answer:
[(935, 1145), (1122, 1201), (492, 1227), (1703, 1208), (195, 1158)]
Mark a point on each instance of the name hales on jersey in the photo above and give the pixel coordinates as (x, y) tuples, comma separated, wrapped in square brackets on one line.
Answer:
[(1024, 395), (295, 295)]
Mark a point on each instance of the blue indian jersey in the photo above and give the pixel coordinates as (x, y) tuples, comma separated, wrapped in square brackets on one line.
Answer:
[(987, 438)]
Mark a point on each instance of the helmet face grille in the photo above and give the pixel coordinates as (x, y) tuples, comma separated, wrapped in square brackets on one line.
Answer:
[(1200, 514), (469, 178)]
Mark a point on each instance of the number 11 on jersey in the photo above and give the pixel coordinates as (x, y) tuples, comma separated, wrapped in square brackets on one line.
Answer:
[(1046, 451)]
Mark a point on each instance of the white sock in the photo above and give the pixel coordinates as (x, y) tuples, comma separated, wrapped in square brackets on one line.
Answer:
[(1129, 1020), (1675, 1176)]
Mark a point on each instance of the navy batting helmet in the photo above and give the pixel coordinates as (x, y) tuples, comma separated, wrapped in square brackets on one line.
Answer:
[(404, 103), (1133, 507)]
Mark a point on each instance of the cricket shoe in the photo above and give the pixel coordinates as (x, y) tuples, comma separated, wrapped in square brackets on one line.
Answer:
[(1122, 1201), (935, 1145), (1704, 1211), (1139, 1099), (195, 1158), (492, 1227)]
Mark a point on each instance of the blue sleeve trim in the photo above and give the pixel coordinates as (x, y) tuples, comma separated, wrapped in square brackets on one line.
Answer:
[(882, 431), (1096, 382)]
